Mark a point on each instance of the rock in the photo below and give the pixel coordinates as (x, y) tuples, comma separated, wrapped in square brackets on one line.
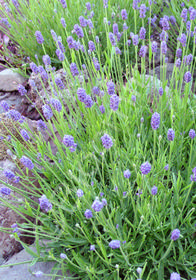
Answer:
[(13, 99), (9, 80), (8, 245), (26, 271)]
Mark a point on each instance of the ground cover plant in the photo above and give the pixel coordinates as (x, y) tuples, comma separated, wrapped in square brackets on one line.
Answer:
[(117, 199)]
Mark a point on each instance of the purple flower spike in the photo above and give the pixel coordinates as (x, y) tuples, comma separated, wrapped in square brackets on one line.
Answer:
[(106, 141), (44, 203), (114, 102), (192, 133), (155, 121), (114, 244), (63, 3), (115, 28), (179, 52), (154, 47), (187, 77), (143, 50), (46, 59), (142, 11), (184, 14), (74, 69), (124, 14), (102, 109), (27, 162), (174, 276), (78, 30), (68, 140), (9, 174), (135, 40), (166, 167), (163, 47), (39, 37), (91, 46), (96, 63), (56, 104), (97, 205), (88, 214), (145, 168), (22, 90), (47, 111), (142, 33), (111, 88), (5, 191), (24, 135), (112, 39), (79, 193), (81, 93), (175, 234), (154, 190), (5, 106), (170, 134), (92, 247), (127, 174)]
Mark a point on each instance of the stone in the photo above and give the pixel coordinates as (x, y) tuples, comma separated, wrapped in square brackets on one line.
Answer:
[(10, 79), (8, 245), (26, 271), (13, 99)]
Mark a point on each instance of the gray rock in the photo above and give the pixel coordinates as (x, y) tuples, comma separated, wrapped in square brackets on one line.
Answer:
[(26, 271), (10, 79), (13, 99)]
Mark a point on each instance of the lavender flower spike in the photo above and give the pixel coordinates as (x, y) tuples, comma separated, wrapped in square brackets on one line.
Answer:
[(155, 121), (45, 205), (39, 37), (192, 133), (170, 134), (27, 162), (106, 141), (24, 135), (97, 205), (114, 102), (174, 276), (175, 234), (114, 244), (187, 77), (145, 168), (88, 214)]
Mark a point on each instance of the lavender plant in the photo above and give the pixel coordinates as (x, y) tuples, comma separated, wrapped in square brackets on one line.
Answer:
[(117, 198)]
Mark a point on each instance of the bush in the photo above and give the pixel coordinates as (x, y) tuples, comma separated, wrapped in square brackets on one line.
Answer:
[(117, 200)]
